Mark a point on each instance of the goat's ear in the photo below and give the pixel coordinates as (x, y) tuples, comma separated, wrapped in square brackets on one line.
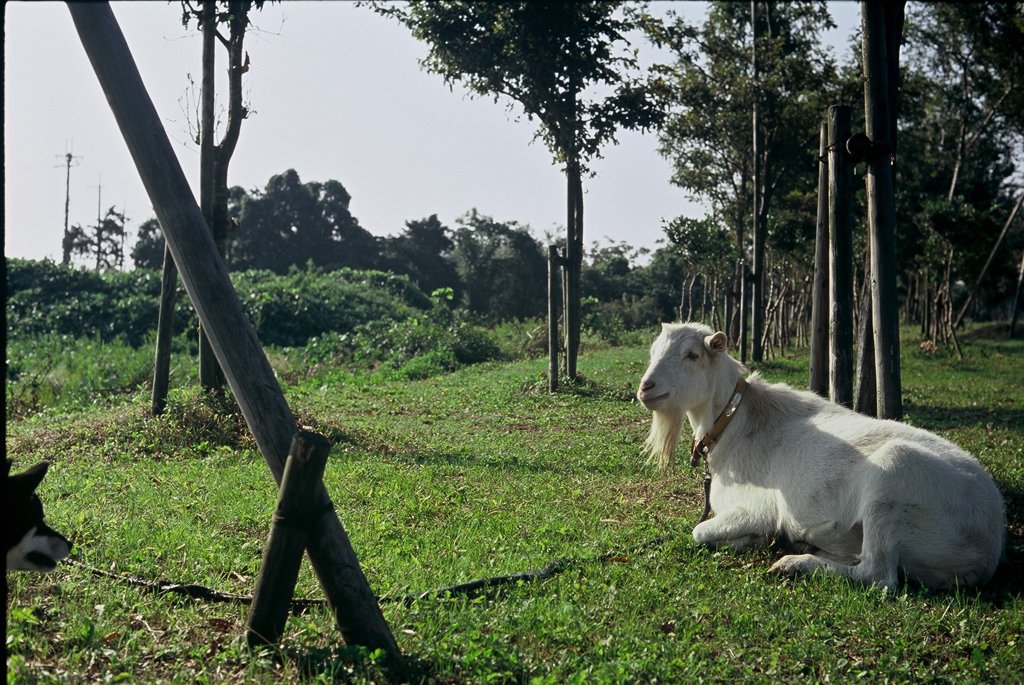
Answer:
[(716, 344)]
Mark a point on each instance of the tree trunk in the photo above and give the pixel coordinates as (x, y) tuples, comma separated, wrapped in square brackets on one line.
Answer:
[(758, 277), (210, 376), (250, 375), (882, 206), (573, 267)]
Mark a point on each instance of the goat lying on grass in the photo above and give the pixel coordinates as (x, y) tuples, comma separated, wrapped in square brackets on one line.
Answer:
[(871, 498)]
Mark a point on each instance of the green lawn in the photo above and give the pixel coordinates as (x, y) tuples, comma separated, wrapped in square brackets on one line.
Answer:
[(482, 473)]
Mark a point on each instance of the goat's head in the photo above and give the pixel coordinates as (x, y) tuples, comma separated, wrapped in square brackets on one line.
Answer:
[(680, 378)]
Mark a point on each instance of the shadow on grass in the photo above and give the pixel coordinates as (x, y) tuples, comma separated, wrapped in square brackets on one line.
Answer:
[(940, 417), (353, 664)]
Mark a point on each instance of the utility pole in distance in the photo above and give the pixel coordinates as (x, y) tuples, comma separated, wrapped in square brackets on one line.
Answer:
[(69, 161)]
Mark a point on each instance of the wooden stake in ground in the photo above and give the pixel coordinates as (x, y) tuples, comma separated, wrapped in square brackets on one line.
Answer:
[(840, 231), (282, 557), (819, 287), (875, 21), (220, 312)]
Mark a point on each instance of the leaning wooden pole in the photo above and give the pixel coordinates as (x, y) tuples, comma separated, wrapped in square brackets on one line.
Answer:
[(880, 183), (220, 312), (819, 287)]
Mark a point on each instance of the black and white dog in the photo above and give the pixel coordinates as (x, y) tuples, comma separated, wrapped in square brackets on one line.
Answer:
[(31, 544)]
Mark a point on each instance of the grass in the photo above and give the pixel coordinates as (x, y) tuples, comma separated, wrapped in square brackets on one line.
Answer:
[(480, 473)]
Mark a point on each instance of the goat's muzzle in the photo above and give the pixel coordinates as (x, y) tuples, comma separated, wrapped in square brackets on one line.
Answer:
[(649, 395)]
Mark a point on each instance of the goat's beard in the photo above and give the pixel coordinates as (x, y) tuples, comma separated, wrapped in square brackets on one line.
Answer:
[(660, 446)]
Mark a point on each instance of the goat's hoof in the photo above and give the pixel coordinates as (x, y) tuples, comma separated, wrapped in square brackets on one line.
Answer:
[(794, 564)]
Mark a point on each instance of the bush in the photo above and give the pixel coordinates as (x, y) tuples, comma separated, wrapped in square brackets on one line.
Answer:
[(420, 346), (289, 310)]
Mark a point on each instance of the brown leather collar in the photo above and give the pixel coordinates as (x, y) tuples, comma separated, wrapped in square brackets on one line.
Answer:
[(702, 448)]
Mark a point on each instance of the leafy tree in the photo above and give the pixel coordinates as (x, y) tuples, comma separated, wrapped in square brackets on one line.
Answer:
[(424, 251), (102, 243), (551, 58), (708, 133), (961, 131), (502, 267), (706, 251), (148, 252), (291, 223)]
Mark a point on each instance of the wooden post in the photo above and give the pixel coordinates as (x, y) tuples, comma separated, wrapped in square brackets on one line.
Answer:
[(758, 277), (164, 334), (553, 288), (1016, 298), (819, 288), (881, 210), (840, 231), (282, 557), (220, 312), (866, 397)]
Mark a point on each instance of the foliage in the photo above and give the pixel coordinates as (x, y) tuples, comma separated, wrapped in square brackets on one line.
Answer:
[(546, 57), (420, 346), (475, 474), (290, 222), (44, 297), (424, 253), (288, 309), (708, 133), (502, 267), (959, 143), (102, 244)]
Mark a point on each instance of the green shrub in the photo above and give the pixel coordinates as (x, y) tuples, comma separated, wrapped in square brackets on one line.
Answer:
[(289, 310), (420, 346)]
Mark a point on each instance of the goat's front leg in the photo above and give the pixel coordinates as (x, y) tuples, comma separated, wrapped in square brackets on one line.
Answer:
[(736, 528)]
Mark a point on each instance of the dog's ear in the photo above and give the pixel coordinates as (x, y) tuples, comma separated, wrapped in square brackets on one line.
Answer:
[(28, 481)]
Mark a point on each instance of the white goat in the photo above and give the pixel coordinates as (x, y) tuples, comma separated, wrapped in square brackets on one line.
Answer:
[(870, 498)]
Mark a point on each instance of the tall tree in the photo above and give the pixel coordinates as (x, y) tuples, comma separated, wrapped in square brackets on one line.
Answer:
[(962, 98), (102, 244), (502, 268), (214, 157), (550, 57), (424, 252), (292, 223), (707, 136)]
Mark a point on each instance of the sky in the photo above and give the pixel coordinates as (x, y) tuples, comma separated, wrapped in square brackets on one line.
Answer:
[(336, 92)]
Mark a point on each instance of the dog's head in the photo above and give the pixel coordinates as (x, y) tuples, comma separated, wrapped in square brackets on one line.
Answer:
[(31, 544)]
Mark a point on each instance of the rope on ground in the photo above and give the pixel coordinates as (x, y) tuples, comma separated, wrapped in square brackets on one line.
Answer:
[(473, 588)]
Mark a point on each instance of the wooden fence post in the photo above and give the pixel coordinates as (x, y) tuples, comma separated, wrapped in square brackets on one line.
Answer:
[(840, 231), (819, 287), (234, 341), (881, 209), (164, 334), (282, 557), (553, 289)]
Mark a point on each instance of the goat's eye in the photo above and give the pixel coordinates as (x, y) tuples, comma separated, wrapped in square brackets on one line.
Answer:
[(692, 355)]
